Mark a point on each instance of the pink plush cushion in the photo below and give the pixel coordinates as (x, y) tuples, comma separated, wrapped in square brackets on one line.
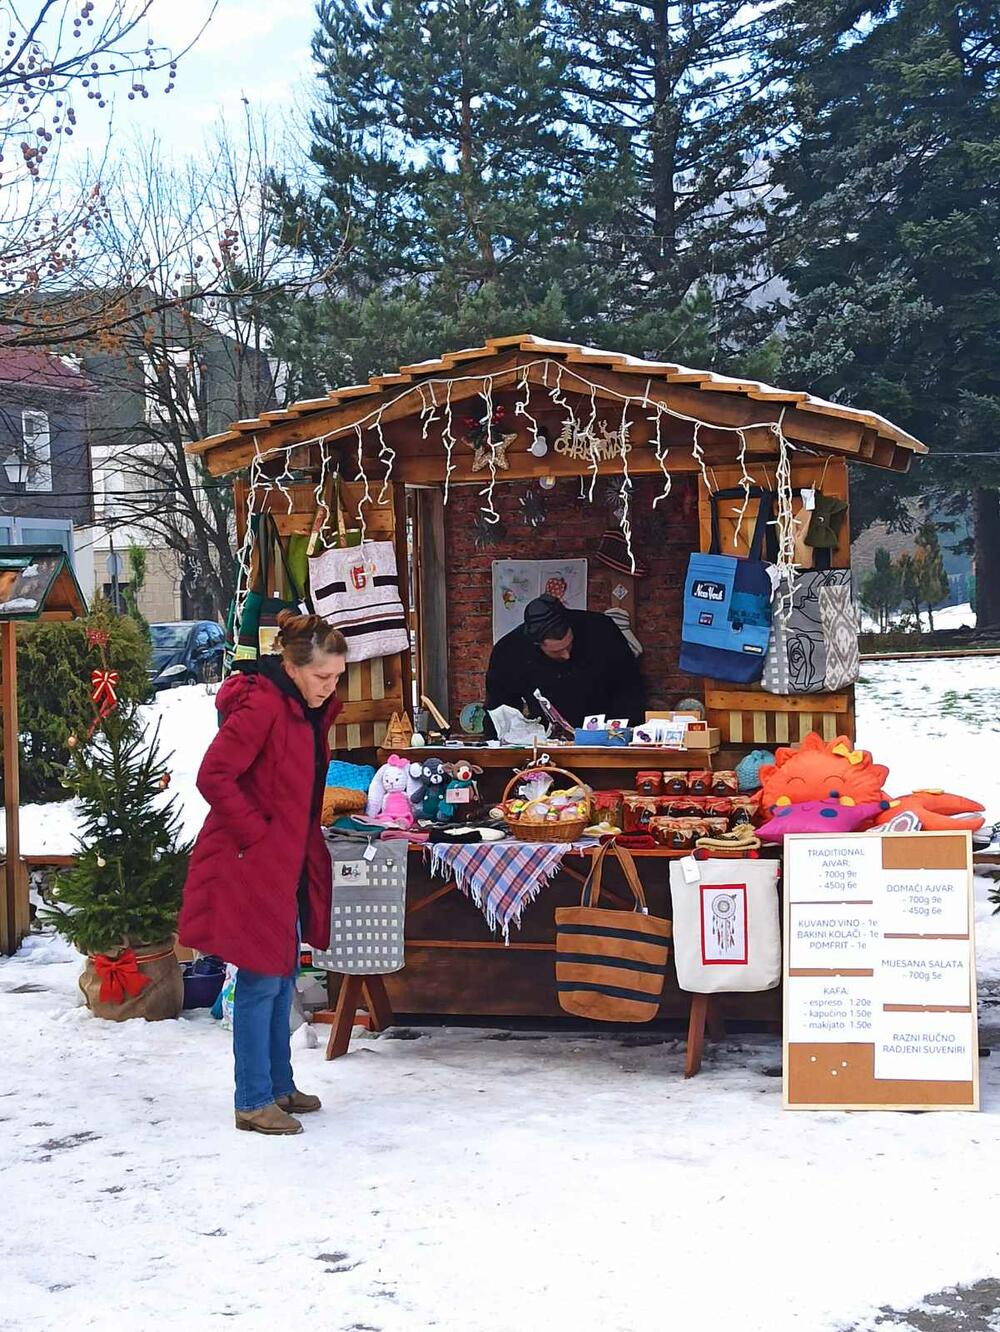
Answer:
[(818, 816)]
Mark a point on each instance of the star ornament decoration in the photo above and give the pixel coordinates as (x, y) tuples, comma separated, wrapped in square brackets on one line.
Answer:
[(493, 449)]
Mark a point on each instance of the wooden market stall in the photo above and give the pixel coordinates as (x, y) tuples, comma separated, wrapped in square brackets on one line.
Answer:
[(406, 457)]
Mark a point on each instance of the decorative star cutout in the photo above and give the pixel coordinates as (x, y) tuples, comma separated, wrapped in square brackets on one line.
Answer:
[(498, 451), (619, 592)]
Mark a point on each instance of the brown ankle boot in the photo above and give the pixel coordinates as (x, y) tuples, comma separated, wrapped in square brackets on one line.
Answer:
[(299, 1103), (268, 1119)]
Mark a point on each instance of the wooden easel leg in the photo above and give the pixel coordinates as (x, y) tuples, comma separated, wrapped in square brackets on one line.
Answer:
[(377, 1001), (351, 988), (716, 1022), (696, 1034)]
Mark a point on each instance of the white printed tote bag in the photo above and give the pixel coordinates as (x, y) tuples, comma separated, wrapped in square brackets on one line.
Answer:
[(368, 908), (796, 655), (840, 634), (357, 590), (726, 932)]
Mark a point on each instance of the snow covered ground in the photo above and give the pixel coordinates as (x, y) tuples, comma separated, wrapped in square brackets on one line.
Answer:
[(474, 1181)]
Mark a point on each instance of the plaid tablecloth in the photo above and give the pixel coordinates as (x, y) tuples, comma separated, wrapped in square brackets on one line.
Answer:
[(502, 878)]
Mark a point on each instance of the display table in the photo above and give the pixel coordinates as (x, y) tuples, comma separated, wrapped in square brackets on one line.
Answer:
[(629, 758)]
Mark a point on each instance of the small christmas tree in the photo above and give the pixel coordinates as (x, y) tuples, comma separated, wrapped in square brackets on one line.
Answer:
[(125, 889)]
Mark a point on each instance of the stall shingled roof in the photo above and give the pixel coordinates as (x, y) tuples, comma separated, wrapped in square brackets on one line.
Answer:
[(851, 432)]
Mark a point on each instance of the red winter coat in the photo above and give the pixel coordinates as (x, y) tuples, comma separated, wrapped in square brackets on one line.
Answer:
[(240, 898)]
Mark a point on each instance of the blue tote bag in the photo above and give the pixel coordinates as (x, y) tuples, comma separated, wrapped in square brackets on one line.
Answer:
[(727, 603)]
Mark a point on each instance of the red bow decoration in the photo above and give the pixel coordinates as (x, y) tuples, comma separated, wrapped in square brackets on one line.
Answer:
[(119, 976), (103, 690), (97, 638)]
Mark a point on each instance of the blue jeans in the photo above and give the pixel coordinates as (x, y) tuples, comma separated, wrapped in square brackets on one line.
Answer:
[(262, 1008)]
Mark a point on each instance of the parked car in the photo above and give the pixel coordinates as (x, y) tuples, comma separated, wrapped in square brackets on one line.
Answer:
[(188, 652)]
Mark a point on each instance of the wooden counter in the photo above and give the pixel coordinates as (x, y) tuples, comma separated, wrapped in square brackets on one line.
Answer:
[(630, 758)]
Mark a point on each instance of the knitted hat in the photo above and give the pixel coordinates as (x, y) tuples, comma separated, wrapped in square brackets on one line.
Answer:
[(613, 551), (545, 617), (621, 619)]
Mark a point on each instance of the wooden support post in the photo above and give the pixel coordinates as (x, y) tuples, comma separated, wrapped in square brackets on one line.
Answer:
[(356, 991), (15, 917), (704, 1013)]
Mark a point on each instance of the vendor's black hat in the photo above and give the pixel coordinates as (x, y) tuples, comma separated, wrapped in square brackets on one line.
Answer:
[(545, 617)]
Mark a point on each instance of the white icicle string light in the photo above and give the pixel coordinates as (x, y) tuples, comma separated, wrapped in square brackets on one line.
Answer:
[(286, 475), (698, 453), (746, 484), (245, 557), (626, 491), (489, 508), (449, 441), (521, 409), (320, 491), (785, 519), (366, 497), (386, 456), (660, 452)]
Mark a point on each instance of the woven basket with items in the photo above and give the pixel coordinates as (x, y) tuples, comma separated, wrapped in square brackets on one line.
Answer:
[(542, 812)]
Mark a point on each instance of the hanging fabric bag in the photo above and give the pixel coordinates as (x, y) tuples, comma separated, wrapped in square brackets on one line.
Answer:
[(368, 908), (610, 965), (796, 661), (272, 606), (357, 590), (840, 637), (726, 935), (727, 602)]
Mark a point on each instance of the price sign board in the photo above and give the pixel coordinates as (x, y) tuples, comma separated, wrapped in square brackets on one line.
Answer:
[(880, 973)]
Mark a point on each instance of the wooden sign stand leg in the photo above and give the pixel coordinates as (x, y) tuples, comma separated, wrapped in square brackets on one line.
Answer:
[(704, 1014), (356, 992)]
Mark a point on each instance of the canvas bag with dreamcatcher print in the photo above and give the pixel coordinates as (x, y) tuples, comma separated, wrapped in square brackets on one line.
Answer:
[(726, 931), (355, 586)]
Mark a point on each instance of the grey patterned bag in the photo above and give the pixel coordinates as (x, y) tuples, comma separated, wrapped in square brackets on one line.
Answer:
[(840, 634), (797, 653), (368, 909)]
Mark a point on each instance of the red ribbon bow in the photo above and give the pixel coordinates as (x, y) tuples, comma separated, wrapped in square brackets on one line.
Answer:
[(103, 690), (119, 976)]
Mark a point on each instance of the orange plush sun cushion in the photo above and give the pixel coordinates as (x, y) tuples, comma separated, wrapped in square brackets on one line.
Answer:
[(938, 811), (821, 770)]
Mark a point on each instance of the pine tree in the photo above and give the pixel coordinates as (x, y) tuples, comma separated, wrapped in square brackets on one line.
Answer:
[(880, 590), (683, 97), (889, 233), (933, 580), (451, 190), (125, 888)]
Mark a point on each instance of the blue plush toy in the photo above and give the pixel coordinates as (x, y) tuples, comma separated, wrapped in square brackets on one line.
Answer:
[(748, 769), (434, 775)]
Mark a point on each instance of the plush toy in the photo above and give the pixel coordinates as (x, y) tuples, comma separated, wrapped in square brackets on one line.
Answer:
[(935, 811), (820, 816), (388, 801), (822, 770), (433, 775), (463, 780)]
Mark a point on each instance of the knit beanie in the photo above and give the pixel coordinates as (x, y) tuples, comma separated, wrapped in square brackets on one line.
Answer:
[(545, 617)]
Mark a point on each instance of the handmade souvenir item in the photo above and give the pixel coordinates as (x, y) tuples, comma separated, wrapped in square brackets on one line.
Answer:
[(819, 816), (821, 770), (608, 806), (724, 782), (637, 812), (748, 769), (935, 811), (346, 790), (726, 926), (358, 591), (560, 814), (461, 791), (433, 777), (388, 799), (798, 648), (368, 908), (610, 965), (399, 732), (675, 783), (649, 783), (700, 781)]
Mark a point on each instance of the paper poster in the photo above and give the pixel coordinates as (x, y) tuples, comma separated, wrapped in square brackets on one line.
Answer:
[(920, 972), (516, 582), (926, 902), (724, 924), (832, 1010), (833, 869), (925, 1047), (830, 937)]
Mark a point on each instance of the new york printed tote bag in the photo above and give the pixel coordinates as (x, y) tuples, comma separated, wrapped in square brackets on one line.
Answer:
[(357, 590), (727, 603), (726, 931)]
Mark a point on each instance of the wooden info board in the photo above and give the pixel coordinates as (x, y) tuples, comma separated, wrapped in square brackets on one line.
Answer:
[(880, 973)]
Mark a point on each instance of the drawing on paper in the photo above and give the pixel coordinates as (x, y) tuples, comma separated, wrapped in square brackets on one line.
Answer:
[(724, 924)]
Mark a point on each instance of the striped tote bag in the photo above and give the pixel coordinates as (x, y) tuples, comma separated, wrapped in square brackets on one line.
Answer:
[(610, 965), (357, 590)]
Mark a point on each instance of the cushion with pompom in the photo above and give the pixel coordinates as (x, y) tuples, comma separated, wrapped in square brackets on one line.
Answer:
[(819, 816)]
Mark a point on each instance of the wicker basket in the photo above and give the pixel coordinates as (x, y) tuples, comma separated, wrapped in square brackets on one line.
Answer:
[(541, 830)]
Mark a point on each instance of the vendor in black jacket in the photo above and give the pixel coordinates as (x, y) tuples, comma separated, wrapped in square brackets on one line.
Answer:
[(579, 660)]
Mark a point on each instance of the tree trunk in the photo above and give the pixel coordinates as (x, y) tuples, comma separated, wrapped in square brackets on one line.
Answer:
[(986, 515)]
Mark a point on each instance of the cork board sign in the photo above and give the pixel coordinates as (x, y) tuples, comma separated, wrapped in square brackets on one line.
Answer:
[(880, 973)]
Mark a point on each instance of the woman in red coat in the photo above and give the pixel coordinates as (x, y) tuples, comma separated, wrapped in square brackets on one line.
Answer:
[(259, 877)]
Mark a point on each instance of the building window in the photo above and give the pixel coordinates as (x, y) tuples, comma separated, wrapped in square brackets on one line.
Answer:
[(37, 450)]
